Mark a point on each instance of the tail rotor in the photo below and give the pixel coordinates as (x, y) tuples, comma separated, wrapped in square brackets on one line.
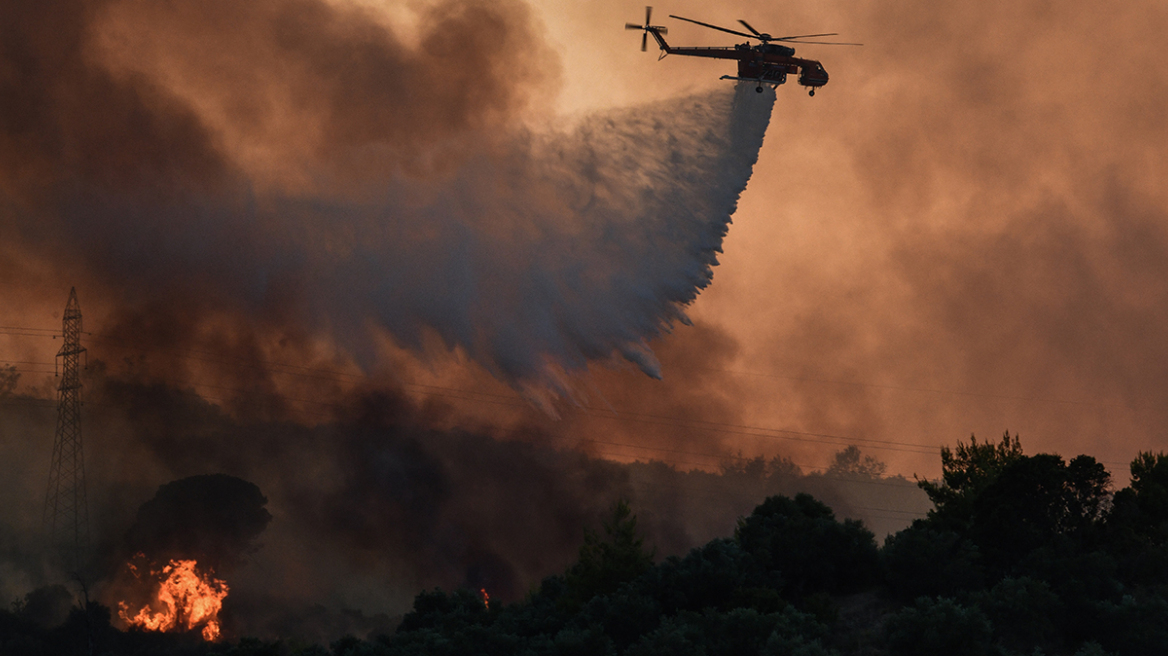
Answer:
[(660, 29)]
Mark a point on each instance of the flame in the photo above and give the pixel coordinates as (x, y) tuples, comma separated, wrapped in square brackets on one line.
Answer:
[(187, 600), (486, 598)]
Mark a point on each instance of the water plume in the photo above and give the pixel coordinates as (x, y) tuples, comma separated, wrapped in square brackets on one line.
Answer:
[(569, 247)]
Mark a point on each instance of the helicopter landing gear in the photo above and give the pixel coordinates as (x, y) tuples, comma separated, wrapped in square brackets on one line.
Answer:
[(811, 93)]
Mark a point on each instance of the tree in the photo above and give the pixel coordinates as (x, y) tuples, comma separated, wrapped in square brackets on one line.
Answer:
[(1025, 612), (8, 379), (965, 473), (604, 564), (939, 626), (849, 463), (1137, 525), (1088, 495), (1010, 505), (434, 609), (1142, 507), (926, 561), (1039, 497), (800, 542), (214, 518), (47, 606)]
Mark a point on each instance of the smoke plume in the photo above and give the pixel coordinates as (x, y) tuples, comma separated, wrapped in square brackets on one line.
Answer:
[(373, 507), (317, 180), (300, 162)]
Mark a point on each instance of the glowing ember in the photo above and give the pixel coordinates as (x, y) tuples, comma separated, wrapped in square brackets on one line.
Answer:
[(185, 600), (486, 598)]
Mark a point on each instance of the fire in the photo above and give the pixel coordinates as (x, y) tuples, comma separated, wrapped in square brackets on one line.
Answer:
[(486, 598), (185, 600)]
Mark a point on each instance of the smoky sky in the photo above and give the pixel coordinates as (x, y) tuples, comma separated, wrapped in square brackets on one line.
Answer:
[(297, 181), (104, 93), (333, 528), (962, 232), (302, 164)]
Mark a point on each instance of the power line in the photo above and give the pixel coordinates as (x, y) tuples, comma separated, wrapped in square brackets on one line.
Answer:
[(475, 396), (34, 403), (46, 331), (905, 388), (516, 401), (594, 412), (26, 334), (724, 493), (344, 405), (262, 365), (214, 357), (751, 431), (672, 461)]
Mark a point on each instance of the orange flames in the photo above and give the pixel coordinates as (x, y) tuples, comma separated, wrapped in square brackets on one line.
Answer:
[(185, 600), (486, 598)]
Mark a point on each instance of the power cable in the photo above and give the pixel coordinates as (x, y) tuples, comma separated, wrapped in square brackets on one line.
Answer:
[(517, 401), (906, 388)]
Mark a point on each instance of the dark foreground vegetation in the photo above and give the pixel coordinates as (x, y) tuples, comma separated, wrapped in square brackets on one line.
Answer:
[(1021, 555)]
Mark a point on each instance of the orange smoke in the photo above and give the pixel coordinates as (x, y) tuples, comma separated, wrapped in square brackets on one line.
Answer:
[(184, 601)]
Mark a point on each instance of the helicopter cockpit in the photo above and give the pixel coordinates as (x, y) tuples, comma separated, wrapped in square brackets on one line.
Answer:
[(776, 49)]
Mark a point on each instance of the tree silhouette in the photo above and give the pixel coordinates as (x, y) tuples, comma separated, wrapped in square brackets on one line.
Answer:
[(964, 474), (604, 564), (1142, 508), (1036, 501), (9, 376), (800, 542), (849, 462)]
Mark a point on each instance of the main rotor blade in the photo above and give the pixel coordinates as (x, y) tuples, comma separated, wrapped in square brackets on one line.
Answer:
[(634, 26), (804, 36), (822, 43), (714, 27), (756, 32), (645, 41)]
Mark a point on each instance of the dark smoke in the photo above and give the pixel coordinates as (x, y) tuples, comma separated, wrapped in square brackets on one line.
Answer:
[(304, 182), (305, 167), (368, 508), (81, 106)]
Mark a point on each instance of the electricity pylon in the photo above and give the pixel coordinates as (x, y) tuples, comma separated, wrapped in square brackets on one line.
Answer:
[(66, 512)]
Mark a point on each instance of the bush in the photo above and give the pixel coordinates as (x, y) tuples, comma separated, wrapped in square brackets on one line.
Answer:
[(735, 632), (1025, 613), (922, 561), (800, 540), (939, 626)]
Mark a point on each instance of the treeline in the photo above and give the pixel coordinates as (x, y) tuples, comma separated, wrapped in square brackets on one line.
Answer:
[(1021, 555)]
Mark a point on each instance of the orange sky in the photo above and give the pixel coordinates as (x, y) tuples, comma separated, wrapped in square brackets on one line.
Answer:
[(965, 231)]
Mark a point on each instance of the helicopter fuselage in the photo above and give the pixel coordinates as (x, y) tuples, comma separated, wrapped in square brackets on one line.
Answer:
[(765, 62)]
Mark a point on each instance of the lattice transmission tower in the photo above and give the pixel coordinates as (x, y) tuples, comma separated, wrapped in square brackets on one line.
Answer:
[(66, 511)]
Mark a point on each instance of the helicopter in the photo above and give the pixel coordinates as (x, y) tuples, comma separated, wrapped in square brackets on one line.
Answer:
[(769, 62)]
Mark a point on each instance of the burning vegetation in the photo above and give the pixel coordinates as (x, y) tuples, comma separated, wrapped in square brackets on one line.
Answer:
[(184, 599), (1021, 554), (192, 529)]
